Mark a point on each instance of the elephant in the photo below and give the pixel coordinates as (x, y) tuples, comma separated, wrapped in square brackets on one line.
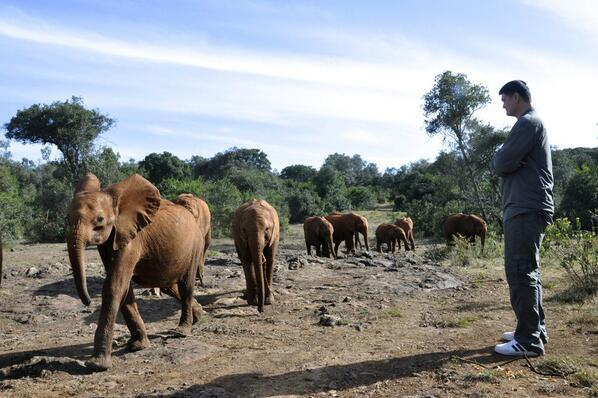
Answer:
[(345, 227), (466, 225), (406, 223), (256, 231), (391, 235), (200, 210), (318, 232), (142, 238)]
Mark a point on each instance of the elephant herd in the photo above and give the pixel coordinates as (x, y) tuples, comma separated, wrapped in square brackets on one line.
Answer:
[(158, 243)]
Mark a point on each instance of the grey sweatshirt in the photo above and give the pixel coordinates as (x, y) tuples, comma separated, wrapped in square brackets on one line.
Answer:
[(525, 165)]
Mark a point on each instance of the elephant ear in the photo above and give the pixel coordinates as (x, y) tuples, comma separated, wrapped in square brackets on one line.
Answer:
[(89, 183), (136, 201)]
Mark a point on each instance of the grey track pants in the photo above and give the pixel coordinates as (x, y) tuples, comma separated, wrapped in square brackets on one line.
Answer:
[(523, 237)]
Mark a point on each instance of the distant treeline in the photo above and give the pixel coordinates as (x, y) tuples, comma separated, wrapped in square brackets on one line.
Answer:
[(34, 197)]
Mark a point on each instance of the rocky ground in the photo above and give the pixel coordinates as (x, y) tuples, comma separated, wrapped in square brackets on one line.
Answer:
[(369, 325)]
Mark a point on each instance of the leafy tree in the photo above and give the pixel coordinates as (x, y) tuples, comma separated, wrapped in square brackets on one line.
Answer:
[(106, 166), (299, 173), (68, 125), (157, 167), (361, 197), (449, 109), (234, 158), (303, 201), (580, 199)]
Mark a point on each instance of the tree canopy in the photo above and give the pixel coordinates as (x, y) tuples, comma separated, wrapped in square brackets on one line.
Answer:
[(68, 125)]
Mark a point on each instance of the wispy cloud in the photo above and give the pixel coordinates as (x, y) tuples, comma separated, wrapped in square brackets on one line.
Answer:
[(579, 14)]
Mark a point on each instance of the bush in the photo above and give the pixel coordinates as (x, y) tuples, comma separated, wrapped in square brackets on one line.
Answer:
[(302, 203), (361, 197), (577, 251)]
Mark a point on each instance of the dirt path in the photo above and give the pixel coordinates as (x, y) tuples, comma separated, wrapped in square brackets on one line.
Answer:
[(363, 326)]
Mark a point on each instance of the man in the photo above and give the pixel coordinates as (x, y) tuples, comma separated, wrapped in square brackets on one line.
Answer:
[(525, 165)]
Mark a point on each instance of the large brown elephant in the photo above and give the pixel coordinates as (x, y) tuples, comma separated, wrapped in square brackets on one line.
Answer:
[(256, 231), (406, 224), (140, 238), (200, 210), (466, 225), (391, 235), (345, 227), (318, 232)]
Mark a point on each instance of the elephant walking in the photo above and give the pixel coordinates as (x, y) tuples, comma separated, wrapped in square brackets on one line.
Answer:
[(391, 235), (318, 232), (406, 223), (466, 225), (345, 227), (201, 212), (256, 231), (142, 238)]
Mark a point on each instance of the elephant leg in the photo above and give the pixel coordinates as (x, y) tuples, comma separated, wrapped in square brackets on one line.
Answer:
[(318, 249), (250, 282), (411, 240), (173, 291), (130, 312), (270, 254), (116, 286), (378, 246), (325, 250), (349, 245), (336, 245), (393, 246), (308, 247), (186, 292)]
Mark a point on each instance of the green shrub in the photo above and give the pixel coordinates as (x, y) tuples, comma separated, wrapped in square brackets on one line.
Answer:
[(577, 252)]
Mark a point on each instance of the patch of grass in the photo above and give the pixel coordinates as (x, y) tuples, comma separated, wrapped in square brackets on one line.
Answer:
[(585, 378), (437, 253), (392, 312), (487, 376), (563, 366), (462, 322), (586, 321)]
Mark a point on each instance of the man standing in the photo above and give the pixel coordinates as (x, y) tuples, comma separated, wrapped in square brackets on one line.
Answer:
[(525, 165)]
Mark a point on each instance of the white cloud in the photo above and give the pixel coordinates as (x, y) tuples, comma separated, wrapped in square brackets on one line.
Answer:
[(579, 14)]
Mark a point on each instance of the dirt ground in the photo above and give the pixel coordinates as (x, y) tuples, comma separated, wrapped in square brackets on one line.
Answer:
[(369, 325)]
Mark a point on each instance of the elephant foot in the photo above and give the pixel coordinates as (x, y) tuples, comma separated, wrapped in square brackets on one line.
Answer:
[(99, 364), (198, 311), (138, 344), (183, 330), (269, 299)]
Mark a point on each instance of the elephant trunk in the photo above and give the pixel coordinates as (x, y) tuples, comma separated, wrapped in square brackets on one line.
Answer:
[(256, 244), (365, 239), (76, 249)]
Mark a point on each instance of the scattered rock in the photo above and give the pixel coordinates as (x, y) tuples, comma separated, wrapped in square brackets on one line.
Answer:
[(33, 272), (347, 299), (297, 262), (329, 320)]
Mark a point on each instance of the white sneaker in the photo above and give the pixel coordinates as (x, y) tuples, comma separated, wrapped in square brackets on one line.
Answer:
[(513, 349), (508, 336)]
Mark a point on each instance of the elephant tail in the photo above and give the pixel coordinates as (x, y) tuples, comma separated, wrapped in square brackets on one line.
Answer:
[(256, 245)]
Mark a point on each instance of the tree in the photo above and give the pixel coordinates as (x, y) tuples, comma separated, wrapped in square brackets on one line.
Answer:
[(161, 166), (234, 158), (448, 109), (68, 125), (580, 199), (299, 173)]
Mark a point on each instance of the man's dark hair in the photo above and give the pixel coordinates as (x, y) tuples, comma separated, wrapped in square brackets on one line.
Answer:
[(516, 86)]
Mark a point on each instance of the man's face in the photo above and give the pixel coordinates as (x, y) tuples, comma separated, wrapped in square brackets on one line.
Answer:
[(510, 103)]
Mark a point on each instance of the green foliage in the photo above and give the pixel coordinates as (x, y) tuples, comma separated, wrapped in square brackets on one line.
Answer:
[(68, 125), (158, 167), (233, 159), (463, 253), (580, 199), (298, 173), (303, 202), (361, 197), (222, 197), (577, 252)]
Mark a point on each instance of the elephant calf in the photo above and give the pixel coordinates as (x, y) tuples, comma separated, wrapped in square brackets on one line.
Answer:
[(466, 225), (318, 232), (406, 223), (140, 237), (391, 235), (256, 231)]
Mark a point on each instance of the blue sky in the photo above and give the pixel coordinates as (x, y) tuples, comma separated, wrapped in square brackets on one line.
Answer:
[(297, 79)]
